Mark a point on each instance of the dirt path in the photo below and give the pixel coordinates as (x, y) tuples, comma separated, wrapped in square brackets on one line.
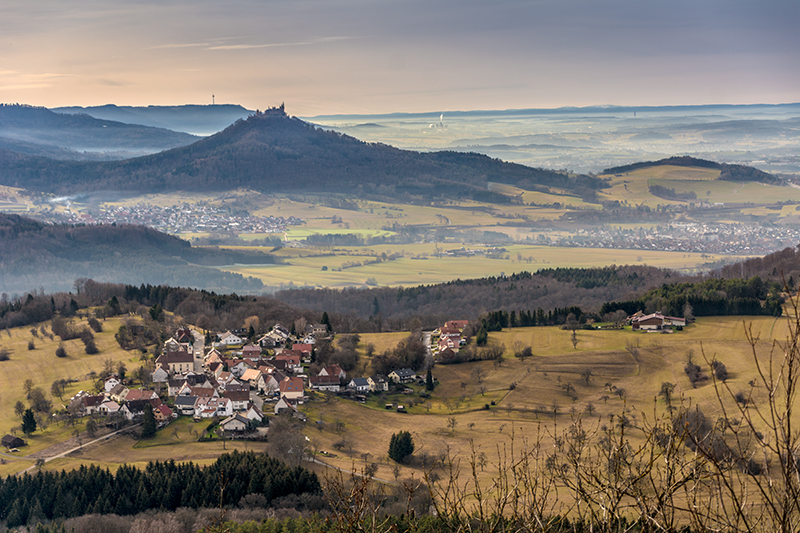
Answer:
[(68, 446)]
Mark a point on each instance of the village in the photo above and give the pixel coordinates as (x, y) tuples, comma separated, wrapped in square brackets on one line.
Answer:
[(240, 379)]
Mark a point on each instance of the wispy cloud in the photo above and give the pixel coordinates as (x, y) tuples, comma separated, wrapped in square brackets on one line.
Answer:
[(178, 45), (15, 80), (276, 45)]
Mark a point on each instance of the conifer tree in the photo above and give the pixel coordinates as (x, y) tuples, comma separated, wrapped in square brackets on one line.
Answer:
[(28, 422), (429, 380), (401, 446), (148, 422)]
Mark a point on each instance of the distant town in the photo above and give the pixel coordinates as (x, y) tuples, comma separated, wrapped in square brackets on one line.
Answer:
[(186, 218)]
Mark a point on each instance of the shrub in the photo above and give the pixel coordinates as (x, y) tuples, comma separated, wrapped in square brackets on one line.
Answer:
[(5, 354), (31, 345), (95, 324), (61, 351)]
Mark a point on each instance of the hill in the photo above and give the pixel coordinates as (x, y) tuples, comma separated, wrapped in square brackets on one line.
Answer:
[(727, 171), (273, 152), (728, 290), (53, 256), (37, 130), (194, 119)]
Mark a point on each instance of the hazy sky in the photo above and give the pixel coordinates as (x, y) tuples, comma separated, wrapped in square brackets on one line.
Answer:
[(375, 56)]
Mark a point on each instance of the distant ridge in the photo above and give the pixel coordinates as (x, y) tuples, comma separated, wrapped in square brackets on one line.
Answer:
[(272, 152), (195, 119), (728, 172), (37, 130), (588, 110)]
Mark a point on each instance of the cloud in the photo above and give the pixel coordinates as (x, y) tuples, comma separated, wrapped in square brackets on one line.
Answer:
[(179, 45), (275, 45)]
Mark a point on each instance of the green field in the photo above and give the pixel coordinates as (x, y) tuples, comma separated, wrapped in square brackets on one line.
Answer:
[(419, 264)]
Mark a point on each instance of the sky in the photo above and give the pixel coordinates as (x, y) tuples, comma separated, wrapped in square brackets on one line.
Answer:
[(383, 56)]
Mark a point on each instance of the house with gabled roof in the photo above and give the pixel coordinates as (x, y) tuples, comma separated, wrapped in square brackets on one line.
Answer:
[(118, 393), (235, 424), (325, 383), (255, 378), (184, 336), (291, 387), (333, 370), (251, 352), (359, 384), (291, 359), (240, 367), (303, 349), (378, 383), (185, 405), (229, 339), (110, 383), (254, 413), (163, 413), (140, 394), (160, 374), (172, 345), (402, 375), (656, 322), (10, 441), (240, 398), (177, 362), (109, 407)]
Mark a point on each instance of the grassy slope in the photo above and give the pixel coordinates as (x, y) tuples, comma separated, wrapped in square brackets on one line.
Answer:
[(698, 180), (43, 367), (527, 408)]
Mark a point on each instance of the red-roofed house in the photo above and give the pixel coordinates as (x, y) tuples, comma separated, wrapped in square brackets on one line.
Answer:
[(291, 387)]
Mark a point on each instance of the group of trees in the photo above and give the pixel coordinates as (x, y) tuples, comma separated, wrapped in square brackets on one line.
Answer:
[(409, 353), (48, 495), (401, 447), (497, 320), (343, 353), (710, 297)]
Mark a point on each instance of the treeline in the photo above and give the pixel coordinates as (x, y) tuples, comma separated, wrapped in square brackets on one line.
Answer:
[(671, 194), (427, 306), (499, 320), (37, 255), (161, 485), (712, 297)]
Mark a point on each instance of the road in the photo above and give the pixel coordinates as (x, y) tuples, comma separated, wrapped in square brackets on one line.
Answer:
[(426, 338), (67, 452)]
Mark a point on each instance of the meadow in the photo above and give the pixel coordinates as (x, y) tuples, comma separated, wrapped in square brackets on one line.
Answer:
[(422, 264), (478, 405)]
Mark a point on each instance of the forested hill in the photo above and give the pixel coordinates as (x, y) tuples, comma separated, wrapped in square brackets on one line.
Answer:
[(643, 287), (36, 255), (587, 288), (727, 172), (272, 152), (28, 130)]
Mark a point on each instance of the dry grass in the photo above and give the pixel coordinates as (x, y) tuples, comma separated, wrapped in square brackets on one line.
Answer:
[(43, 368)]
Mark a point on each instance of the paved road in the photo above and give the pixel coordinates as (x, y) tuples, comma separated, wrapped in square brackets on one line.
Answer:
[(426, 338)]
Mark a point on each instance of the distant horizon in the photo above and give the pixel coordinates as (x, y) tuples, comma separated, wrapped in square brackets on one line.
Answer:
[(590, 107)]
